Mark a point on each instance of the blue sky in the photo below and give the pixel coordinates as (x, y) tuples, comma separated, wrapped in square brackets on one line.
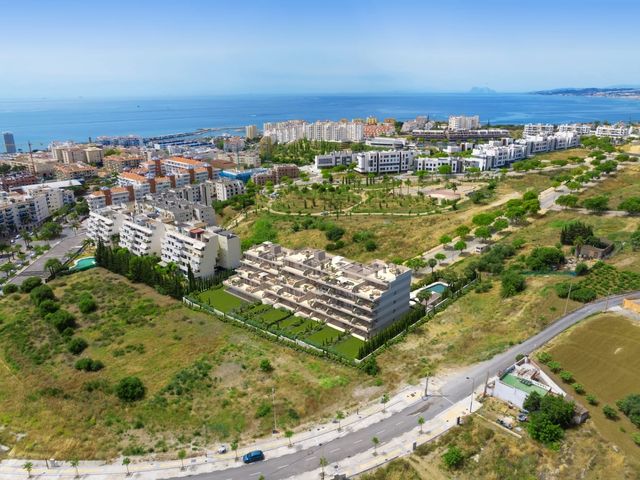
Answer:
[(192, 47)]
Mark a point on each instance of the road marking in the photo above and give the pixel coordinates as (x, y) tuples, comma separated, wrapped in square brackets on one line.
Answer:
[(380, 431), (357, 441), (400, 422), (283, 466), (253, 474), (334, 450)]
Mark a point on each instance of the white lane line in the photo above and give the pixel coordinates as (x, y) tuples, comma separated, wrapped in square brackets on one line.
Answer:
[(283, 466), (357, 441), (380, 431), (253, 474), (334, 450), (400, 422)]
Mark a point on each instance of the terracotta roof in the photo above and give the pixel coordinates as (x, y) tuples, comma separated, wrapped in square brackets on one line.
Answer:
[(187, 161), (133, 176)]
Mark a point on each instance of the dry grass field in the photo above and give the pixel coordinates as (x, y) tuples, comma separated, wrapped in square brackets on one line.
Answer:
[(603, 353), (618, 187)]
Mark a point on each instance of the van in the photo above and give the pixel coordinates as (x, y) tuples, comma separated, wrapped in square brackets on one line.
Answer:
[(254, 456)]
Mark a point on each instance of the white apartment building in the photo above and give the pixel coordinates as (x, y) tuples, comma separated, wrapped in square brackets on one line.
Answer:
[(387, 142), (201, 249), (499, 154), (383, 162), (548, 143), (348, 296), (292, 130), (462, 122), (142, 234), (32, 207), (333, 159), (614, 131), (535, 129), (433, 164), (579, 128), (226, 189), (104, 224)]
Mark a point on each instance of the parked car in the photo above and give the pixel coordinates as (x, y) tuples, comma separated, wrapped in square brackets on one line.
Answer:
[(254, 456), (222, 449), (522, 417)]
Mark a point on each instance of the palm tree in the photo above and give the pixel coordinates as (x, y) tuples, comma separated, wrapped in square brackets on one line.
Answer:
[(182, 454), (53, 265), (126, 461), (421, 423), (578, 242), (74, 463), (7, 268), (26, 237), (432, 263), (384, 400), (375, 441), (28, 466), (323, 463), (339, 417), (289, 434)]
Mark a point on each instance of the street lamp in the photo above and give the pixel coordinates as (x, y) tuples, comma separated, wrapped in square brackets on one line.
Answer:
[(426, 387), (473, 385)]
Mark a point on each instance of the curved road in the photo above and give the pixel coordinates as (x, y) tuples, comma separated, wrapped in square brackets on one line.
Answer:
[(455, 389)]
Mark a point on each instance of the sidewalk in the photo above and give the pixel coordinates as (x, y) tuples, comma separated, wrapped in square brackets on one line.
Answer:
[(209, 462), (398, 447)]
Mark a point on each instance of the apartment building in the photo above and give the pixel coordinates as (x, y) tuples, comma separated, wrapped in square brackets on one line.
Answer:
[(579, 128), (140, 184), (349, 296), (333, 159), (462, 122), (233, 144), (614, 131), (121, 141), (110, 196), (277, 174), (378, 130), (204, 192), (227, 188), (142, 234), (386, 142), (121, 163), (537, 129), (104, 224), (75, 171), (202, 250), (499, 153), (433, 164), (251, 132), (19, 210), (71, 153), (292, 130), (383, 162), (16, 179), (170, 208), (548, 143)]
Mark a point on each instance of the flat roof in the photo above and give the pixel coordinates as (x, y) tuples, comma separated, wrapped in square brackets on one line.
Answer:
[(517, 382)]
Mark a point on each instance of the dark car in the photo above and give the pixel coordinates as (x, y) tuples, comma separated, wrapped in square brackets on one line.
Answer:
[(254, 456)]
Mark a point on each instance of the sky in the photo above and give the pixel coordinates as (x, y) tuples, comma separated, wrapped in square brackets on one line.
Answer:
[(117, 48)]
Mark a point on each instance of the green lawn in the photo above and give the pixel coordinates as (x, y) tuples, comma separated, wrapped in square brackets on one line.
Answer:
[(327, 334), (274, 315), (349, 347), (220, 299), (296, 325)]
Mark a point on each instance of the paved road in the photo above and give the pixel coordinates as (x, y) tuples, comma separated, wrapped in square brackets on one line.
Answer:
[(455, 389), (66, 244)]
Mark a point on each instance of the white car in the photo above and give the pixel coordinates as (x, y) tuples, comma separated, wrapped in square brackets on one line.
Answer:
[(222, 449)]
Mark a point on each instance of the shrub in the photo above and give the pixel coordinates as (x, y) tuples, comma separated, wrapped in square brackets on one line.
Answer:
[(334, 233), (48, 306), (544, 259), (30, 283), (554, 366), (512, 283), (10, 288), (265, 366), (263, 410), (130, 389), (370, 366), (87, 305), (542, 429), (77, 345), (636, 438), (578, 388), (41, 293), (630, 406), (61, 320), (544, 357), (610, 412), (591, 399), (583, 294), (582, 269), (370, 246), (566, 376), (89, 365), (453, 458)]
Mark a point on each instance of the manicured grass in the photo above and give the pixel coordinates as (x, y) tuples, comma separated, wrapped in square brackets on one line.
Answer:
[(220, 299), (296, 325), (326, 334), (274, 315), (602, 354), (349, 347)]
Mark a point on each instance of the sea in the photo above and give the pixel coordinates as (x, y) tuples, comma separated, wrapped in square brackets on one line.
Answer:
[(41, 121)]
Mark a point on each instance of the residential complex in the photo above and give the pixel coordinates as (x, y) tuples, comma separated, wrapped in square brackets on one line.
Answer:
[(227, 188), (250, 132), (349, 296), (25, 209), (121, 163), (13, 180), (277, 174), (387, 161), (77, 171), (175, 230), (464, 123), (538, 129), (292, 130)]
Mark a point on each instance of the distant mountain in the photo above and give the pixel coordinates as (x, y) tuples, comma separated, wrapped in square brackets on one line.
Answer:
[(482, 90), (618, 92)]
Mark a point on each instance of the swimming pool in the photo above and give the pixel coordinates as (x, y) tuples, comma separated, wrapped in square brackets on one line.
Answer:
[(437, 287), (84, 264)]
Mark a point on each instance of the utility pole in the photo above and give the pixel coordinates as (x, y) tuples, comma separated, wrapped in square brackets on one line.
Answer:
[(606, 305), (426, 388), (473, 385), (566, 303)]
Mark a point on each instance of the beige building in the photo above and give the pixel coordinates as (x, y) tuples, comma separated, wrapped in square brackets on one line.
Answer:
[(77, 171), (349, 296)]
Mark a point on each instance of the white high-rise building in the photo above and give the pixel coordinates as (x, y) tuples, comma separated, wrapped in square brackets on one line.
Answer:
[(462, 122)]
